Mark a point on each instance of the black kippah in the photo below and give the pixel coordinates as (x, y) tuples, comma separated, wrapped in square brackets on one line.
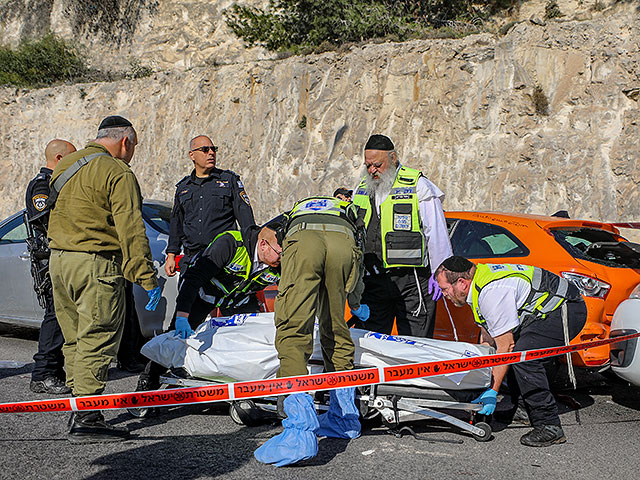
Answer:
[(379, 142), (457, 264), (114, 121)]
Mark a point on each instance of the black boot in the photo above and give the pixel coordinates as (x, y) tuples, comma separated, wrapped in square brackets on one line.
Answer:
[(543, 436), (90, 427), (50, 384)]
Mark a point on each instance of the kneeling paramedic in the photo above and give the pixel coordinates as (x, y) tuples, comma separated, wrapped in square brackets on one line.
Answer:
[(518, 307), (320, 266), (227, 275)]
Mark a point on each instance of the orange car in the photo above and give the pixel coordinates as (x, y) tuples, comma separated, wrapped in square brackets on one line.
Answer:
[(592, 255)]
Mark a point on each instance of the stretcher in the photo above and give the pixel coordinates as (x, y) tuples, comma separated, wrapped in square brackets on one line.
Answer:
[(241, 348)]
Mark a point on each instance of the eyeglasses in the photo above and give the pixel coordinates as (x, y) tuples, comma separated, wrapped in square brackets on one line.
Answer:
[(375, 165), (206, 149), (276, 252)]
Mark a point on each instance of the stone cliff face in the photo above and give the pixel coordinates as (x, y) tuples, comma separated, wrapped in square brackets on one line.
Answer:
[(469, 113)]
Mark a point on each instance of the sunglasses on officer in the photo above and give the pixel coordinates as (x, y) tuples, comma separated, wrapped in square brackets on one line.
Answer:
[(205, 149)]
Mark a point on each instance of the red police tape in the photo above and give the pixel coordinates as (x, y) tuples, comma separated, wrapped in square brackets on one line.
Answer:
[(286, 385)]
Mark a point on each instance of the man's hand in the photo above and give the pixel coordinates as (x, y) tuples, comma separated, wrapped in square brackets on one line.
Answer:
[(434, 289), (183, 329), (170, 264), (362, 313), (154, 297), (488, 400)]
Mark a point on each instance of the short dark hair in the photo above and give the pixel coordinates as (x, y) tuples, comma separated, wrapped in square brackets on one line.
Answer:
[(455, 268), (343, 191)]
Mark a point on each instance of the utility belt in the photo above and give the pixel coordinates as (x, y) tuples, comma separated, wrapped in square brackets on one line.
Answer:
[(323, 227)]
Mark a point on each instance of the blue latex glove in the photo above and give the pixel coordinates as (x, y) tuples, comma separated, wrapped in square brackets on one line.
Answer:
[(183, 329), (298, 441), (434, 289), (362, 313), (488, 400), (154, 297)]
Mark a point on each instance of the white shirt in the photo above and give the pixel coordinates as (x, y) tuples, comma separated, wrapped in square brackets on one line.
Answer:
[(434, 225), (499, 302), (257, 265)]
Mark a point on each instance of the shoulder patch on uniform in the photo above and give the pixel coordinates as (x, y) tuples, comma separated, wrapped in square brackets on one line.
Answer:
[(245, 197), (40, 201)]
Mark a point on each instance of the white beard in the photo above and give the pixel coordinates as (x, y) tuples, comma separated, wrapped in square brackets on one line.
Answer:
[(380, 187)]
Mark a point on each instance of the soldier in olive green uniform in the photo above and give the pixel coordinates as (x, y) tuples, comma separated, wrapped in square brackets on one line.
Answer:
[(320, 266), (97, 238)]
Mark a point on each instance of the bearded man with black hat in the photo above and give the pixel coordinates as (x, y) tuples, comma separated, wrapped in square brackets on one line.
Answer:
[(406, 238), (97, 238)]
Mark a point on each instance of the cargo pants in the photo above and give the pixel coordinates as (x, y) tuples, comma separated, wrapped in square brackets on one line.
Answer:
[(89, 295), (318, 268)]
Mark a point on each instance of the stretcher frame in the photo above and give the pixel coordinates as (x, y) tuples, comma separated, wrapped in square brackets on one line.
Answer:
[(395, 403)]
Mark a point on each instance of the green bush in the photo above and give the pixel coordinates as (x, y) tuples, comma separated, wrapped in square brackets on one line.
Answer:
[(39, 63), (304, 25)]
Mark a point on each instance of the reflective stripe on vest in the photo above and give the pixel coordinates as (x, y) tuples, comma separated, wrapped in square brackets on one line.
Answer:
[(543, 298), (403, 243), (324, 206)]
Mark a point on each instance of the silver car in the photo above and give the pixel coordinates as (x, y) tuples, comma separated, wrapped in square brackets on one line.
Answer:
[(18, 302)]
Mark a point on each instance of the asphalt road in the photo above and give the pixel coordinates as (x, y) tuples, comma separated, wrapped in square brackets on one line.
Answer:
[(200, 442)]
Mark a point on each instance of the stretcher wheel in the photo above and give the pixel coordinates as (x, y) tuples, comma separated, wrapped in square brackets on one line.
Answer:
[(243, 412), (486, 432), (139, 412)]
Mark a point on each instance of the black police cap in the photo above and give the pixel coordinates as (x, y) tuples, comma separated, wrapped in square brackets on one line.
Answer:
[(457, 264), (379, 142), (114, 121)]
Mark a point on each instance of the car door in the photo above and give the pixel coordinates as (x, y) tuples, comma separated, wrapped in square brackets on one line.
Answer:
[(477, 241), (18, 303)]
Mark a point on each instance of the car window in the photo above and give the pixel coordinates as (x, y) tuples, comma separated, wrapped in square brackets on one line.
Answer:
[(14, 231), (598, 246), (158, 215), (451, 223), (484, 240)]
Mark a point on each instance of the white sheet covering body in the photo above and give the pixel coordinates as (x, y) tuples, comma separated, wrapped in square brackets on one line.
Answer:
[(242, 348)]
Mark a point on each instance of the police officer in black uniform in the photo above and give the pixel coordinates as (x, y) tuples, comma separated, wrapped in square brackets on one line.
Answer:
[(209, 201), (48, 374)]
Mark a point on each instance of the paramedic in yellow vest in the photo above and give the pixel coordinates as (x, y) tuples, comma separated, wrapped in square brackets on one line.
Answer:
[(406, 239), (226, 275), (518, 307)]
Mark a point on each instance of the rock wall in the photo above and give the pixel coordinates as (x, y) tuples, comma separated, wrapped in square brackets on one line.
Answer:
[(463, 111), (162, 34)]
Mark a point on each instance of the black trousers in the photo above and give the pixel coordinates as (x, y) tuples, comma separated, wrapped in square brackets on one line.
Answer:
[(395, 293), (49, 359), (529, 379), (132, 339)]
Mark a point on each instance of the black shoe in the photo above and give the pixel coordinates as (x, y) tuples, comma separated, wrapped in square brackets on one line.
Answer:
[(513, 415), (543, 436), (90, 427), (147, 382), (51, 384), (132, 366)]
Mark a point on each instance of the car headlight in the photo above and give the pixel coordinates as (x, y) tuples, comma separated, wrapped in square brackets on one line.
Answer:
[(588, 286), (636, 292)]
